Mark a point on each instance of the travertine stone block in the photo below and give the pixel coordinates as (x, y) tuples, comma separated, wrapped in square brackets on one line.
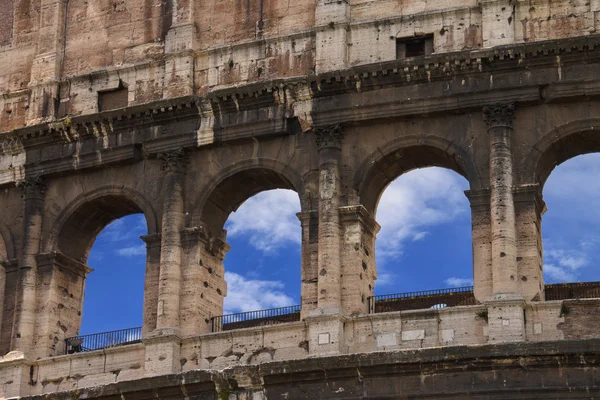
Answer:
[(162, 355), (506, 319)]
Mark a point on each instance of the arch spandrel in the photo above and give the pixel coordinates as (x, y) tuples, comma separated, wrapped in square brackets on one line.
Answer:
[(570, 140), (400, 156), (228, 190), (75, 229)]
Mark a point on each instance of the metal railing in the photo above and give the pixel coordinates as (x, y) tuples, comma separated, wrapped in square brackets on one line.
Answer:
[(440, 298), (464, 296), (256, 318), (103, 340), (576, 290)]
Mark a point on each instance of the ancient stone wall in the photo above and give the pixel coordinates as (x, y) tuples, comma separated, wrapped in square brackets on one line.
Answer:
[(181, 111)]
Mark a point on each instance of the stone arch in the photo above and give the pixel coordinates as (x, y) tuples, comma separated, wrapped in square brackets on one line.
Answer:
[(404, 155), (76, 228), (559, 145), (228, 190)]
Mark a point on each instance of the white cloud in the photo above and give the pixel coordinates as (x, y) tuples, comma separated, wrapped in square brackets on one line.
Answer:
[(564, 265), (268, 220), (249, 295), (125, 228), (414, 202), (557, 274), (458, 282), (132, 251), (420, 236)]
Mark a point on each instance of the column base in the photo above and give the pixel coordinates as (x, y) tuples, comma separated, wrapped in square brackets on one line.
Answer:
[(15, 375), (325, 335), (506, 318), (162, 354)]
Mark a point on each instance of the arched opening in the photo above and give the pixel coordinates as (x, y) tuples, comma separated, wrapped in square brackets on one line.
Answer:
[(118, 260), (254, 208), (424, 251), (425, 237), (570, 224), (565, 170), (262, 268), (100, 267)]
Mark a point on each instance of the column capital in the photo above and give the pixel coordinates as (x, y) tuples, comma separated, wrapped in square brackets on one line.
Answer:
[(499, 115), (34, 186), (174, 161), (330, 136)]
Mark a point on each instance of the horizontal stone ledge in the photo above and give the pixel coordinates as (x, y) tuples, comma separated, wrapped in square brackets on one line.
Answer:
[(407, 368)]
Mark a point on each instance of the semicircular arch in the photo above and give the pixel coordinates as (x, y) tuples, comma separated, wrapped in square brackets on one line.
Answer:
[(228, 190), (403, 155), (77, 226), (564, 142)]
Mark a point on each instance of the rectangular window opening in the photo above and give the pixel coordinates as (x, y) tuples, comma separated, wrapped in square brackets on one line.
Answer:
[(414, 47), (113, 99)]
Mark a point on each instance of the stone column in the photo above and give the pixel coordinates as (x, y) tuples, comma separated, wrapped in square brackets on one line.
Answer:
[(151, 279), (506, 320), (529, 207), (499, 119), (481, 235), (329, 142), (310, 259), (173, 220), (32, 190)]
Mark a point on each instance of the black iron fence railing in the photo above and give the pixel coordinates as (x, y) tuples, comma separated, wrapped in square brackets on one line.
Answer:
[(104, 340), (576, 290), (462, 296), (256, 318)]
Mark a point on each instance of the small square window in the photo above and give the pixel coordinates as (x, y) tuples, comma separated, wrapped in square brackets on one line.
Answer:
[(414, 47)]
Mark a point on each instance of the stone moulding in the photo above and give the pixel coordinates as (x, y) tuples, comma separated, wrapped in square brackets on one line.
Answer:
[(473, 60), (519, 370)]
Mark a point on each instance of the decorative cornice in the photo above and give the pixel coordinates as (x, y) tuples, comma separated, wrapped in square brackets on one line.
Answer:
[(174, 161), (499, 115), (34, 186), (331, 136)]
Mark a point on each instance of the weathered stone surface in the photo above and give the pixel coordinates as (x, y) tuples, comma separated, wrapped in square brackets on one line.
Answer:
[(182, 110)]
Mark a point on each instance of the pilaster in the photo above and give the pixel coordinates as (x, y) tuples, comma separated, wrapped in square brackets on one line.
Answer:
[(498, 22), (359, 272), (46, 69), (332, 21), (500, 119), (180, 42), (529, 207), (481, 234), (151, 279), (61, 283), (309, 221), (174, 164), (329, 142), (203, 287), (32, 191)]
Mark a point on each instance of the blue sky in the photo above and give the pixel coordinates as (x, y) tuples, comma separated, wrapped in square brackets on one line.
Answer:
[(424, 243)]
